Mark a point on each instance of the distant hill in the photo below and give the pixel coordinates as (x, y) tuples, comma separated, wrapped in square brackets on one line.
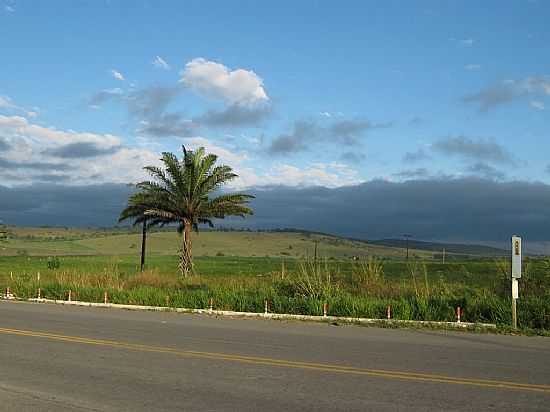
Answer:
[(48, 241), (453, 248)]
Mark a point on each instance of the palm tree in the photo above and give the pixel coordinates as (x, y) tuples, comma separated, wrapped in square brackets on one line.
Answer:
[(180, 193)]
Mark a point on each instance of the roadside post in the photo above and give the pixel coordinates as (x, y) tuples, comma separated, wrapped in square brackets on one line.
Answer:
[(516, 274)]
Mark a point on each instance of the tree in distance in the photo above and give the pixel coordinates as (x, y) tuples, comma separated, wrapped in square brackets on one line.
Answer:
[(135, 210), (3, 233), (180, 192)]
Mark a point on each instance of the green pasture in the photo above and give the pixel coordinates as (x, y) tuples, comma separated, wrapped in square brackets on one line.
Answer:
[(240, 270)]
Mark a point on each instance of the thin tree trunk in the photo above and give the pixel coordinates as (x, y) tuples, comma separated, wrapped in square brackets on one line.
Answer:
[(186, 257), (143, 244)]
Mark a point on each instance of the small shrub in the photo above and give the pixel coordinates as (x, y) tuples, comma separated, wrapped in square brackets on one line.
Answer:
[(53, 263)]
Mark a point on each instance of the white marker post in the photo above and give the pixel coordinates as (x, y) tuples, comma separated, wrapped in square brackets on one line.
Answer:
[(516, 274)]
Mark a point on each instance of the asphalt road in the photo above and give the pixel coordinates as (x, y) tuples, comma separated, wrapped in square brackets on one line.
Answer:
[(81, 359)]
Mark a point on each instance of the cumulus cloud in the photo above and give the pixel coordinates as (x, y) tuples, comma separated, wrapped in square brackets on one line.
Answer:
[(304, 133), (295, 141), (493, 96), (160, 63), (235, 115), (414, 157), (216, 81), (225, 155), (81, 150), (150, 107), (31, 151), (485, 170), (4, 145), (331, 174), (167, 125), (117, 75), (350, 130), (11, 165), (469, 149), (106, 95), (508, 91), (420, 172), (7, 104), (151, 101)]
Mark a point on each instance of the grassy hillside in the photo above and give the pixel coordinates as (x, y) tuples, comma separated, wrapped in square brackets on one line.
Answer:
[(453, 248), (60, 242)]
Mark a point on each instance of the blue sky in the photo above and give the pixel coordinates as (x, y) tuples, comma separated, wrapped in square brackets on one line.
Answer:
[(307, 93), (397, 72)]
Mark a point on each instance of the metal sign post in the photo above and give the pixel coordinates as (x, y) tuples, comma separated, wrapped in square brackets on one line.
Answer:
[(516, 274)]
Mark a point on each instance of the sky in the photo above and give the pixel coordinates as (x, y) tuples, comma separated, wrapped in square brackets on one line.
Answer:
[(362, 118)]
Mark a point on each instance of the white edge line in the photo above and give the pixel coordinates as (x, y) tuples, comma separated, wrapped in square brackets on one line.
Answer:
[(282, 316)]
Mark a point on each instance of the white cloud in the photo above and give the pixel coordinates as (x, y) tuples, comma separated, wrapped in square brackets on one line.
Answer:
[(160, 63), (31, 154), (325, 114), (317, 174), (7, 104), (225, 155), (472, 67), (467, 42), (9, 8), (536, 104), (117, 75), (216, 81)]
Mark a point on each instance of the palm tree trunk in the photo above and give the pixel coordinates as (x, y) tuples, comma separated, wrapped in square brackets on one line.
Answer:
[(186, 257), (143, 243)]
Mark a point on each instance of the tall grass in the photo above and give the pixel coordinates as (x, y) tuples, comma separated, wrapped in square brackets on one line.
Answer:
[(366, 291)]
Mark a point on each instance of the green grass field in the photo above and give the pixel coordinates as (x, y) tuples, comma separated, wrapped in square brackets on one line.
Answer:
[(61, 242), (240, 270)]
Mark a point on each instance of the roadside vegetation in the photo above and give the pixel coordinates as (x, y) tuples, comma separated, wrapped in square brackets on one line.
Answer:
[(415, 290)]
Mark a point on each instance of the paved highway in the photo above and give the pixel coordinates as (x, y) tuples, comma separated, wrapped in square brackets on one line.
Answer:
[(83, 359)]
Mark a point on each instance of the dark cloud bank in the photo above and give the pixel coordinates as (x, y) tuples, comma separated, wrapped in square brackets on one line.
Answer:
[(470, 209)]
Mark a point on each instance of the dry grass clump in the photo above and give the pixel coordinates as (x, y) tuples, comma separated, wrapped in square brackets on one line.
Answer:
[(110, 278)]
